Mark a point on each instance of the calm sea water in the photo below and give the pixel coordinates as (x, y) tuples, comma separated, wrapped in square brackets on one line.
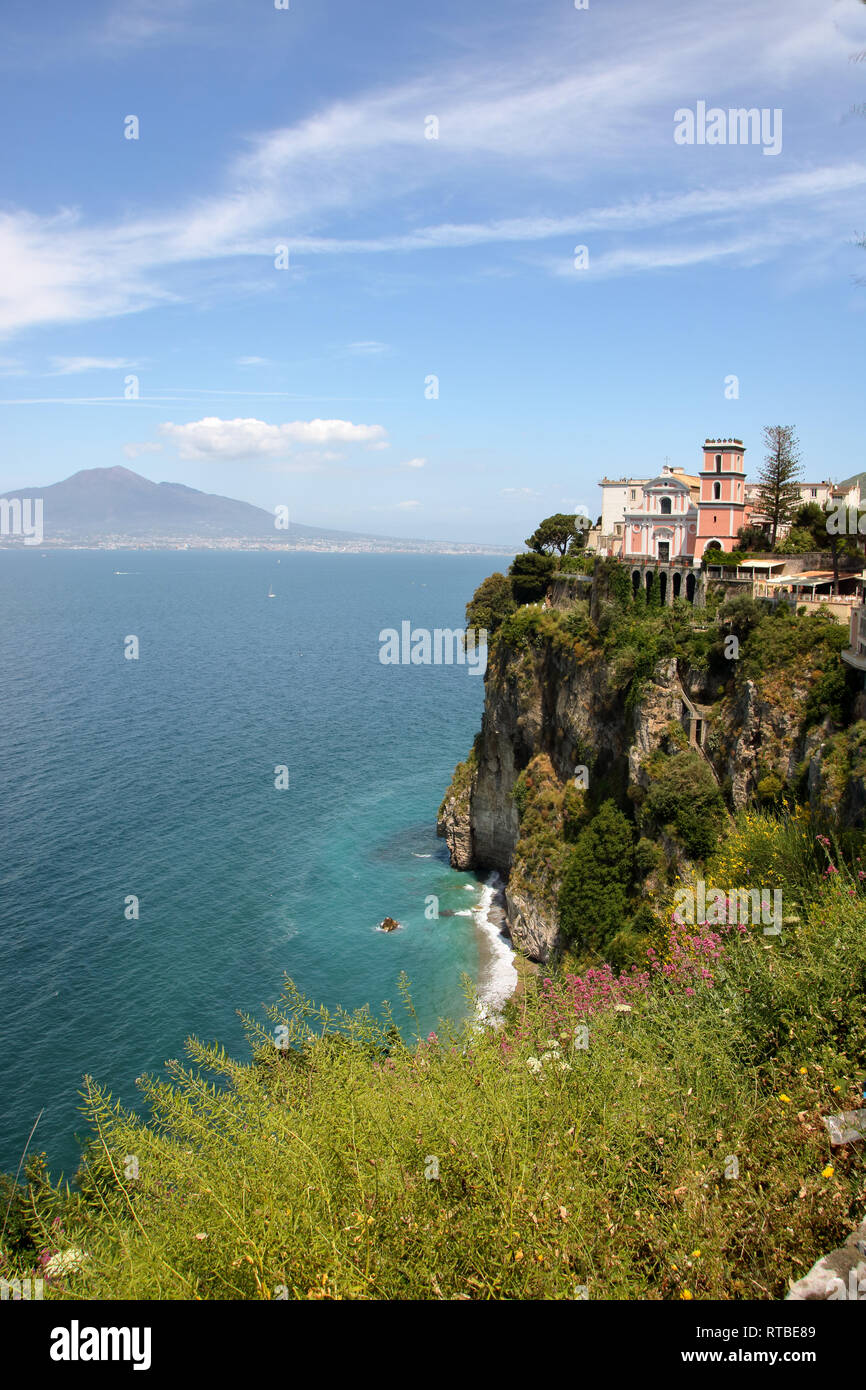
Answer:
[(155, 777)]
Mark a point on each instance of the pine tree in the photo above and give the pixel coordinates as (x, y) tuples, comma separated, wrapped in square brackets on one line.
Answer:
[(778, 493)]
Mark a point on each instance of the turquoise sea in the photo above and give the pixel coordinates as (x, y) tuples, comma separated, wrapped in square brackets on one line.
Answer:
[(155, 778)]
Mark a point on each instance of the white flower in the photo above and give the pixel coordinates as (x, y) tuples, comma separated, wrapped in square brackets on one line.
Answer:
[(533, 1063), (563, 1066), (65, 1262)]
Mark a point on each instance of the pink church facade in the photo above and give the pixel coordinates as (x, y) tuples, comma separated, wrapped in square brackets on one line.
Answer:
[(669, 524)]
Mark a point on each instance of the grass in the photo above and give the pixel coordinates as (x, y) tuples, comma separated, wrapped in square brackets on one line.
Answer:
[(679, 1154)]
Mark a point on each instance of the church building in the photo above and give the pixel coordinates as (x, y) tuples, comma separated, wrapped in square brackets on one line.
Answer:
[(668, 524)]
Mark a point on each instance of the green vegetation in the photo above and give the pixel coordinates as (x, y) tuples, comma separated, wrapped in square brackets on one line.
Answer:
[(530, 575), (593, 899), (559, 533), (674, 1151), (684, 800), (491, 602)]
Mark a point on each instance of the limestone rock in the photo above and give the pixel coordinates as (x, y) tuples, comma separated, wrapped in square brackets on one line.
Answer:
[(839, 1275)]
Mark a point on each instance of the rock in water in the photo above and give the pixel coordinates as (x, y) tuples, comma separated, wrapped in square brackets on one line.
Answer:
[(388, 924)]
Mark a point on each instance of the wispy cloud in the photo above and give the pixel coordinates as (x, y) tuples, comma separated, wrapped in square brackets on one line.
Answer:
[(367, 349), (134, 450), (68, 366), (548, 121)]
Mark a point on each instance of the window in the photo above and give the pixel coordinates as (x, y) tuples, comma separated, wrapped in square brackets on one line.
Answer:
[(665, 506), (718, 463), (814, 492), (632, 494), (717, 491)]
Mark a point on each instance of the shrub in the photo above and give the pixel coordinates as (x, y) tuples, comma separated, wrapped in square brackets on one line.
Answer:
[(593, 896), (684, 795)]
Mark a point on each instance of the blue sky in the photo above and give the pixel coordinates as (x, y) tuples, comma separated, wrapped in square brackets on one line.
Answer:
[(412, 257)]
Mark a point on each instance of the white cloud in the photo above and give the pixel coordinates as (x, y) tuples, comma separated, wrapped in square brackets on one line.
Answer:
[(367, 349), (67, 366), (519, 492), (253, 362), (406, 506), (414, 463), (11, 366), (132, 451), (251, 438)]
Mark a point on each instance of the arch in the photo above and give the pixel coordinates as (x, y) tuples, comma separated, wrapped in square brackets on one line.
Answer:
[(677, 584), (650, 583), (690, 588), (663, 587), (635, 582), (665, 506), (713, 545), (717, 492)]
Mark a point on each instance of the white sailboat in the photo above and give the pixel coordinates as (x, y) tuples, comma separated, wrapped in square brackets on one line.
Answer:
[(271, 593)]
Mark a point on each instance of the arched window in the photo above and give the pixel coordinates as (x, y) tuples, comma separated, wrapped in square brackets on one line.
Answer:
[(717, 491), (665, 505), (718, 463)]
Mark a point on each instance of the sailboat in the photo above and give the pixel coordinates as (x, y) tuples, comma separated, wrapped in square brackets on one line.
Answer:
[(271, 593)]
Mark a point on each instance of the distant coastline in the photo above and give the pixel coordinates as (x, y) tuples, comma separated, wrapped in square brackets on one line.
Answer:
[(377, 547)]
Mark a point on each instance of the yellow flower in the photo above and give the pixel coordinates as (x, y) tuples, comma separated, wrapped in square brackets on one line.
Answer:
[(828, 1171), (696, 1254), (785, 1099), (803, 1071), (686, 1295), (837, 1088)]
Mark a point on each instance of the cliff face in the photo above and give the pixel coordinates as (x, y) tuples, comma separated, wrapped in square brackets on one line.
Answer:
[(546, 700)]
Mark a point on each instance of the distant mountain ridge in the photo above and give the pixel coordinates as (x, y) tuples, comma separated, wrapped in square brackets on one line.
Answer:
[(115, 504)]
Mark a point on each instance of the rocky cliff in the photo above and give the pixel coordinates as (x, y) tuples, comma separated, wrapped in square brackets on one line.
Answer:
[(578, 708)]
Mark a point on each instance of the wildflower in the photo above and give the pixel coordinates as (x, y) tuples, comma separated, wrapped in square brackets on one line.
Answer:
[(803, 1071), (534, 1064), (686, 1295), (201, 1235), (696, 1254), (828, 1171), (786, 1100), (65, 1262)]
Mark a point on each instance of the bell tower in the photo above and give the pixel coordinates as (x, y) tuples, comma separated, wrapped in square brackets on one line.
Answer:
[(722, 506)]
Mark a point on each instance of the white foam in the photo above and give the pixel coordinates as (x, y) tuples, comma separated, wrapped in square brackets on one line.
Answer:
[(498, 977)]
